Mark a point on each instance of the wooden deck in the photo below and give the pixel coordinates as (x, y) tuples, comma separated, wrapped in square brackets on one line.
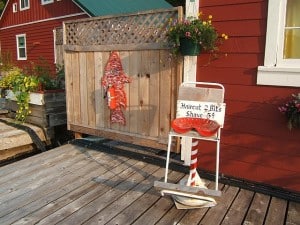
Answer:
[(19, 139), (74, 184)]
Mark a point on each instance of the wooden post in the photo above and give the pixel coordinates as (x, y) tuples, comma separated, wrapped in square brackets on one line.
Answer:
[(189, 74)]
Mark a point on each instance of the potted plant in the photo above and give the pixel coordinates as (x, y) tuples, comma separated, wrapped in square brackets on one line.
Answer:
[(291, 109), (33, 93), (20, 85), (193, 35)]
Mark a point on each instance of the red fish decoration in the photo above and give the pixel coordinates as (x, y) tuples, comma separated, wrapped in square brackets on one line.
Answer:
[(113, 83)]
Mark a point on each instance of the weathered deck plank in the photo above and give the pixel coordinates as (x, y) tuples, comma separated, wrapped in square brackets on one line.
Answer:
[(78, 185), (216, 214), (74, 186), (276, 212), (137, 208), (239, 208), (128, 198), (11, 137), (293, 216), (257, 210), (113, 192)]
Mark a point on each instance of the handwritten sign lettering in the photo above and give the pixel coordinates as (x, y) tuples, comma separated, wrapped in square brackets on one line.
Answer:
[(207, 110)]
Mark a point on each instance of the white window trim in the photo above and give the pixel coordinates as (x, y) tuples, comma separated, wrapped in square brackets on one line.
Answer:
[(24, 7), (15, 7), (18, 53), (45, 2), (54, 46), (275, 71)]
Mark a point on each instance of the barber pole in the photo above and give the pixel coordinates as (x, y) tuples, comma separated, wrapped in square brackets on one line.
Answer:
[(194, 163)]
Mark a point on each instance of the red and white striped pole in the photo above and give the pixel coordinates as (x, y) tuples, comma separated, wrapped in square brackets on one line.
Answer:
[(194, 163)]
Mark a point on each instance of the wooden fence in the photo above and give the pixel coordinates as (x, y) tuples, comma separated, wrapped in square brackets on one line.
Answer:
[(155, 74)]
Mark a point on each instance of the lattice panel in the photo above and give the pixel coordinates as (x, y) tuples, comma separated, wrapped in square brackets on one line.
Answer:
[(59, 36), (141, 28)]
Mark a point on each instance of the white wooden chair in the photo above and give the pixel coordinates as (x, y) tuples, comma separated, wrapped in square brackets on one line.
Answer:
[(196, 99)]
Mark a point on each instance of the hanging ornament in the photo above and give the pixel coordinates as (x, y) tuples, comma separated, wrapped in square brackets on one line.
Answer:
[(113, 83)]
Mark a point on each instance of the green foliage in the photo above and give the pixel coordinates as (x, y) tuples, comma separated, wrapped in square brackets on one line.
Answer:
[(21, 85), (2, 4), (8, 79), (22, 88), (48, 81)]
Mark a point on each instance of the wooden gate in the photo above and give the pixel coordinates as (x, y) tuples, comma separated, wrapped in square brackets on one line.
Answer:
[(140, 40)]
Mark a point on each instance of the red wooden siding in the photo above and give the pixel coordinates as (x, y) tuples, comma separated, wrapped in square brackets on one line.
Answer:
[(38, 23), (256, 143), (37, 12)]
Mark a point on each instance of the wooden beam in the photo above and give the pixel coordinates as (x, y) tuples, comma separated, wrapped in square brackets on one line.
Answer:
[(120, 136)]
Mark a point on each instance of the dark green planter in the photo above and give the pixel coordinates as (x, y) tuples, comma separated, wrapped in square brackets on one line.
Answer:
[(188, 47)]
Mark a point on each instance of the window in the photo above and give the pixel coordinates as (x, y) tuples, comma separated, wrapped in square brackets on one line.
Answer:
[(282, 52), (24, 4), (15, 7), (44, 2), (21, 47)]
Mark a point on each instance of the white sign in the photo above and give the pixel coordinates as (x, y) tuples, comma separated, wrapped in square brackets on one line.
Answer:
[(207, 110)]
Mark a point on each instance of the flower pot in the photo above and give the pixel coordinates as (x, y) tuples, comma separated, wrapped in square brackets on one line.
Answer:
[(188, 47), (48, 109), (294, 121)]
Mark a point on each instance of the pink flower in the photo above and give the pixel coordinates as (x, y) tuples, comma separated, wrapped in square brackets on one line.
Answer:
[(187, 34), (282, 109)]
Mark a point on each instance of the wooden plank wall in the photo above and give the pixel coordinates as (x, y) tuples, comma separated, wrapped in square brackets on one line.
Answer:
[(256, 143), (151, 95)]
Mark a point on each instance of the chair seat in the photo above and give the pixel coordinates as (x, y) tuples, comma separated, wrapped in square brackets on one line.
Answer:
[(194, 134)]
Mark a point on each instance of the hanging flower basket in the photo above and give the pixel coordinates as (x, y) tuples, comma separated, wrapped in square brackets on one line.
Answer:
[(197, 30), (189, 47)]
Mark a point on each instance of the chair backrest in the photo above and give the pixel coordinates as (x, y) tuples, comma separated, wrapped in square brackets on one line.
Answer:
[(201, 99), (207, 92)]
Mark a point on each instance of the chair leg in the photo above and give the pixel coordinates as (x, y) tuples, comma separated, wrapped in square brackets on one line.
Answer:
[(168, 158), (217, 165)]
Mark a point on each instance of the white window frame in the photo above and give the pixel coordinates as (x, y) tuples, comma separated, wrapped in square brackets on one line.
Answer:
[(276, 70), (54, 46), (18, 47), (26, 7), (45, 2), (15, 7)]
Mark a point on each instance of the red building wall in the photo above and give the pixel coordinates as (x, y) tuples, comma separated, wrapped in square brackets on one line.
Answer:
[(38, 24), (37, 12), (256, 144)]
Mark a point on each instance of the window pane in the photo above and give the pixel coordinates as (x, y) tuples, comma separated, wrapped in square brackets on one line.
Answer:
[(292, 30), (21, 47), (292, 44), (24, 3), (22, 53), (21, 42), (46, 1), (292, 13)]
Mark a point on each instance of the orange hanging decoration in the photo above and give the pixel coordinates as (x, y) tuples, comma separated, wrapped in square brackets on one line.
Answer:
[(111, 98), (113, 83)]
